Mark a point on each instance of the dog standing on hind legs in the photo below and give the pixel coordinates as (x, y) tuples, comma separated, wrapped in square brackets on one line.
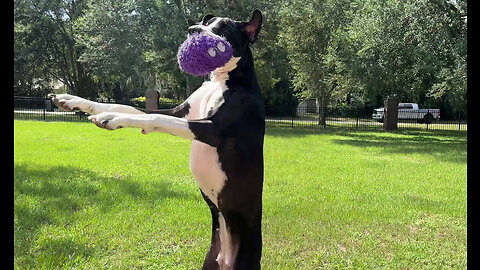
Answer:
[(225, 119)]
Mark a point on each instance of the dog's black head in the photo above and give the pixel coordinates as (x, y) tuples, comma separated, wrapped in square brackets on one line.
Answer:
[(239, 34)]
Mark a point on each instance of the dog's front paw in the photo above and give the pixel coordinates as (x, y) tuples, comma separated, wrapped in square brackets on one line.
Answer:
[(109, 120), (68, 102), (112, 121)]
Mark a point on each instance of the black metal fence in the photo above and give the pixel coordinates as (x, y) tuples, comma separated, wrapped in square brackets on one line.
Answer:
[(38, 108), (42, 109), (362, 118)]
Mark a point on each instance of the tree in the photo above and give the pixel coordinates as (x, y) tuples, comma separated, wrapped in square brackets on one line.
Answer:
[(326, 49), (401, 47), (307, 33), (30, 75), (45, 43), (114, 43)]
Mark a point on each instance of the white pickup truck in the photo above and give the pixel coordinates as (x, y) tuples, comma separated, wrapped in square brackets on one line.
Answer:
[(410, 111)]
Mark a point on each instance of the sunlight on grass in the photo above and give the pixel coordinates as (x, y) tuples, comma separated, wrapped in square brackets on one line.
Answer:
[(333, 199)]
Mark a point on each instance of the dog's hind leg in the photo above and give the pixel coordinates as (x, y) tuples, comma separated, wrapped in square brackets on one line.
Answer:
[(210, 262), (245, 240)]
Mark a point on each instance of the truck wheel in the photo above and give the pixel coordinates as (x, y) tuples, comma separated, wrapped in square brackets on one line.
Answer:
[(428, 118)]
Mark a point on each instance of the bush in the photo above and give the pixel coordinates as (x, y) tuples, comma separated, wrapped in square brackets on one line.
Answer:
[(164, 103)]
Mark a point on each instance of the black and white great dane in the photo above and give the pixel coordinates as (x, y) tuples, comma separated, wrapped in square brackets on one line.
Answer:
[(225, 120)]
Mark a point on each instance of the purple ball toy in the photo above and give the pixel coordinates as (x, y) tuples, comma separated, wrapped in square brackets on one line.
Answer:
[(202, 53)]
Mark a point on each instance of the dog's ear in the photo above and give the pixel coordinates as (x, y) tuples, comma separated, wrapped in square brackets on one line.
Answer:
[(252, 28), (206, 18)]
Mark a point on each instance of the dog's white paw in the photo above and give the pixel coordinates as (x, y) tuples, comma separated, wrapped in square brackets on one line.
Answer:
[(68, 102), (109, 120), (114, 120)]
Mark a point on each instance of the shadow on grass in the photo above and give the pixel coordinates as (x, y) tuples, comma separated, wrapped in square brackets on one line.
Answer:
[(52, 197), (447, 146)]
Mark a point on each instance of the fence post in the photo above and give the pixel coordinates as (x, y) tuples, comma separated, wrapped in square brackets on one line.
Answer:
[(356, 111), (428, 111), (459, 120), (390, 115), (151, 99), (44, 111), (319, 117)]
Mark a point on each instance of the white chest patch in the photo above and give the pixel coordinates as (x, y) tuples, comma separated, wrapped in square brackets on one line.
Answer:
[(212, 99), (204, 162), (206, 98)]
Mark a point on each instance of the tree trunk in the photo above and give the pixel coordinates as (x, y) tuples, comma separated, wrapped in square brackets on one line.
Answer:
[(117, 92), (322, 110), (187, 84)]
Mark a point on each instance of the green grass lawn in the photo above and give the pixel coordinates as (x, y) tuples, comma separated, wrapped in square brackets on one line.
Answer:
[(87, 198)]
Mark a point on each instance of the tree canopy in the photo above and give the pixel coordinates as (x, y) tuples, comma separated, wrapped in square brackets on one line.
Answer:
[(329, 50)]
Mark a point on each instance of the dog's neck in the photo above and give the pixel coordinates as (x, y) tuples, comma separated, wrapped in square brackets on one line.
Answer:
[(221, 73), (238, 71)]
